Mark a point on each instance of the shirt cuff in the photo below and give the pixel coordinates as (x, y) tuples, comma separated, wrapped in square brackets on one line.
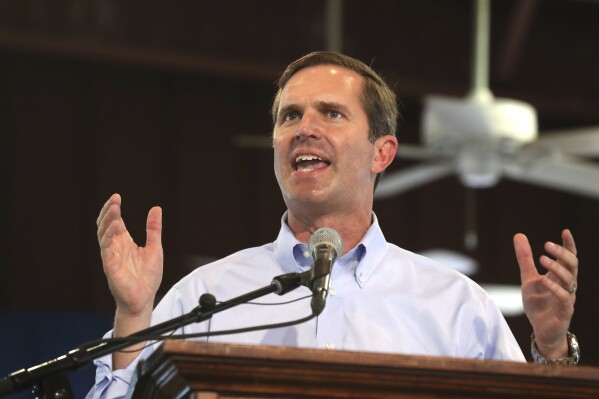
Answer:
[(111, 383)]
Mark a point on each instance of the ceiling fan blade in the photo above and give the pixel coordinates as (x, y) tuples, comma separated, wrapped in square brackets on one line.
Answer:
[(453, 259), (562, 173), (578, 141), (415, 152), (412, 177), (507, 297), (252, 141)]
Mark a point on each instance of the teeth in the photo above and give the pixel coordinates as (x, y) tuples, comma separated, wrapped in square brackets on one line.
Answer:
[(307, 158), (302, 158)]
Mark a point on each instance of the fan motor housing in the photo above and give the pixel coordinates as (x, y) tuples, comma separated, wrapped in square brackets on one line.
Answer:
[(450, 121)]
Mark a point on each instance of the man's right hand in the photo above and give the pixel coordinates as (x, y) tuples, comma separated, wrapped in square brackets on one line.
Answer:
[(134, 273)]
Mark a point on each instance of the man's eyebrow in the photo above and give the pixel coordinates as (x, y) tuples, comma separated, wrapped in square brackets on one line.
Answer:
[(321, 105), (286, 109), (326, 105)]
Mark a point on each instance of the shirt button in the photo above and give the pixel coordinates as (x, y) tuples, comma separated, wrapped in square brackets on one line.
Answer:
[(306, 254), (330, 346), (361, 278), (332, 291)]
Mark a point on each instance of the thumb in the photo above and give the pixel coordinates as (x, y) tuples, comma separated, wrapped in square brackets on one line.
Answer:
[(526, 262), (154, 227)]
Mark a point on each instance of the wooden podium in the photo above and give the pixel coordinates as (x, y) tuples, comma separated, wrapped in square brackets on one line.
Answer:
[(212, 370)]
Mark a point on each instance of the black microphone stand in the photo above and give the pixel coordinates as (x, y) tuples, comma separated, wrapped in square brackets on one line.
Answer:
[(50, 381)]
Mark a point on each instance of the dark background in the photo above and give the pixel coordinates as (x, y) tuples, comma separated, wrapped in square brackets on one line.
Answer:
[(145, 98)]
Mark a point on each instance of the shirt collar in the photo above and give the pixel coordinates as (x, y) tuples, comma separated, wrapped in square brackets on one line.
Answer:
[(291, 254), (375, 250), (286, 245)]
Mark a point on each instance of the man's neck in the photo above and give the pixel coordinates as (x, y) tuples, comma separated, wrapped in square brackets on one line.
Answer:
[(351, 227)]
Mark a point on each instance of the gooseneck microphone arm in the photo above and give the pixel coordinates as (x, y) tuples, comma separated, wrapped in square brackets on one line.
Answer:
[(84, 354)]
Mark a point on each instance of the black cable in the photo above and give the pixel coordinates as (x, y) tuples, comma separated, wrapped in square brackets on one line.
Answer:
[(155, 338), (246, 329), (277, 303)]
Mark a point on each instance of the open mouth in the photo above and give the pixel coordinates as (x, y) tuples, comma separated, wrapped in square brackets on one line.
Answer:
[(309, 163)]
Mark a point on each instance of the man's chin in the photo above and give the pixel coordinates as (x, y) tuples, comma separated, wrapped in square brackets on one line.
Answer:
[(307, 199)]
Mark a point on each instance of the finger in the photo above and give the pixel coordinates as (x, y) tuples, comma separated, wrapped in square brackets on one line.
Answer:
[(108, 250), (565, 257), (114, 199), (154, 227), (568, 241), (564, 275), (562, 294), (115, 228), (528, 270), (113, 213)]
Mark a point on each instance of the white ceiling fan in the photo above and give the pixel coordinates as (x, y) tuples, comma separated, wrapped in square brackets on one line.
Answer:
[(482, 139)]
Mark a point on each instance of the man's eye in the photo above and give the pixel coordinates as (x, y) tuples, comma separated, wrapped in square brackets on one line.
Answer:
[(335, 114), (290, 116)]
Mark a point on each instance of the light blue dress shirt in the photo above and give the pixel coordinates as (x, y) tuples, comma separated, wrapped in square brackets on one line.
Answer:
[(382, 298)]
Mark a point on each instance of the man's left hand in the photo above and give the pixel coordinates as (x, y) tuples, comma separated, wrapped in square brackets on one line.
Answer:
[(549, 298)]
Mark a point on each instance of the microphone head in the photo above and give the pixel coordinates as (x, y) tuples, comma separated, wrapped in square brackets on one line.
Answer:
[(325, 236)]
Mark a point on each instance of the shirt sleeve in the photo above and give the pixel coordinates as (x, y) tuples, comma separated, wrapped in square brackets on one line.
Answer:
[(112, 384), (488, 336), (501, 343)]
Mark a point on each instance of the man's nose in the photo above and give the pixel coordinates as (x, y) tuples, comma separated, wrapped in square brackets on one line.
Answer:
[(309, 127)]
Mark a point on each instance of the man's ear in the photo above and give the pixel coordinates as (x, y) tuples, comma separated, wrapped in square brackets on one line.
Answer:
[(385, 148)]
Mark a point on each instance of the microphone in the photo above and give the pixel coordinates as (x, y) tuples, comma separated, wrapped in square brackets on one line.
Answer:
[(325, 246)]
